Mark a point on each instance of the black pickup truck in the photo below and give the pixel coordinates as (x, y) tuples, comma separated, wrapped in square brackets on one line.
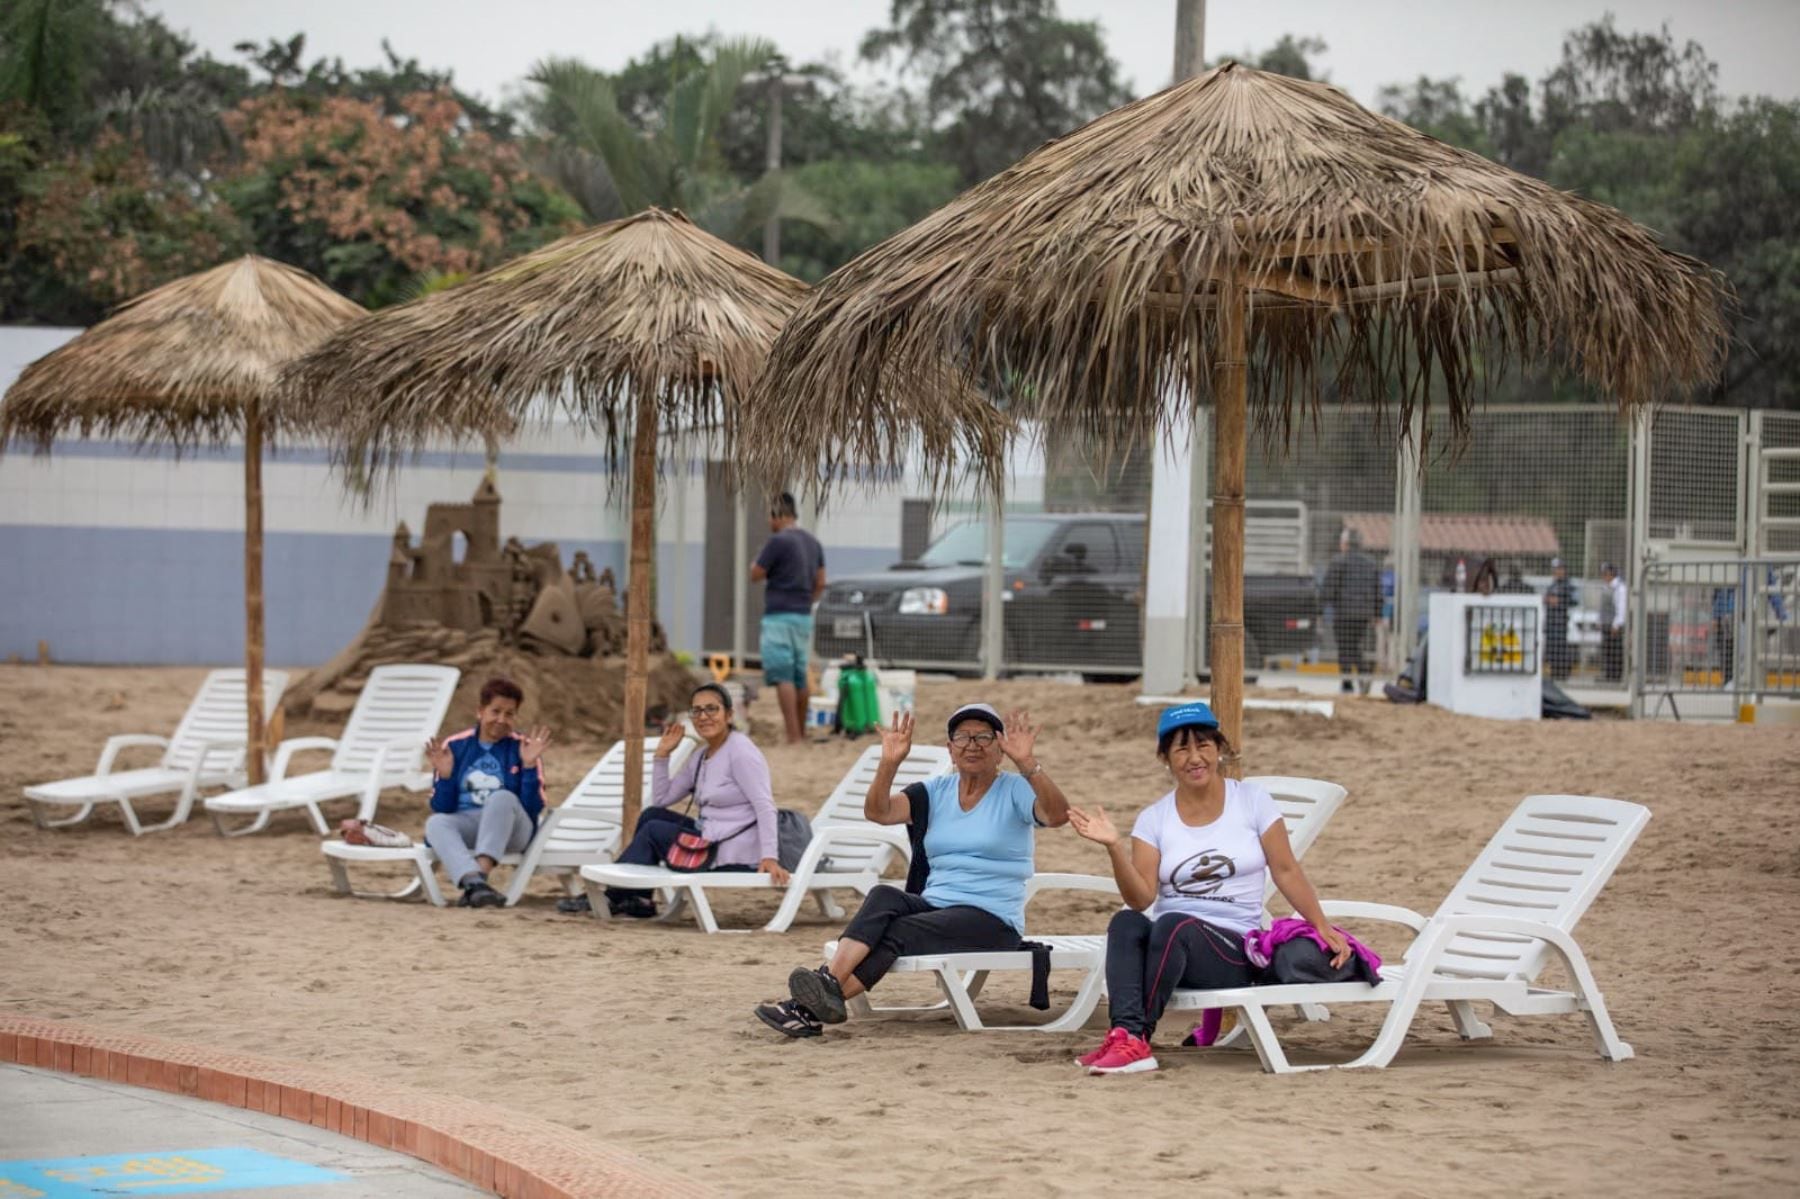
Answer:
[(1073, 588)]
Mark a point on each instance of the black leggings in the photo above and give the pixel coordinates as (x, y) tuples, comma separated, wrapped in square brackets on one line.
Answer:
[(1145, 962), (894, 924)]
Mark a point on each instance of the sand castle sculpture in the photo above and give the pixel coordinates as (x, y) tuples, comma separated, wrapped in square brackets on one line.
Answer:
[(464, 597), (479, 583)]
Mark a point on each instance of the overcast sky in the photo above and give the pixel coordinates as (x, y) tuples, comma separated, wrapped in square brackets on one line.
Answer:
[(491, 44)]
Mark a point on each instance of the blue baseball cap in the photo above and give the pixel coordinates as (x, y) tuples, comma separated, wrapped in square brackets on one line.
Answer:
[(1183, 716)]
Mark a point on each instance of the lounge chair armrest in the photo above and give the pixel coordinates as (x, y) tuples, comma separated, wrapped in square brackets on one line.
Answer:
[(124, 741), (1342, 909), (826, 835), (285, 752), (385, 765), (206, 749), (1103, 884)]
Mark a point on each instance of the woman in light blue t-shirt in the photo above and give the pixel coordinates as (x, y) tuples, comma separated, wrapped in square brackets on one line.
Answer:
[(966, 889)]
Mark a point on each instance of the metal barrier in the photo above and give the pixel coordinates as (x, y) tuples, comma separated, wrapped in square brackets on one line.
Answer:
[(1723, 627)]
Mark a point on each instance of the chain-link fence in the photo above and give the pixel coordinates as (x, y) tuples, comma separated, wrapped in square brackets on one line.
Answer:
[(1538, 497)]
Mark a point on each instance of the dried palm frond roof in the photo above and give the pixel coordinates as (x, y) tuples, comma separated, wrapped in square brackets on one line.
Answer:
[(1079, 287), (650, 306), (178, 363)]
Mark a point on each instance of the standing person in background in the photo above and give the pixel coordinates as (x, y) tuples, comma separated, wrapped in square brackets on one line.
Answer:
[(792, 562), (1353, 591), (1559, 601), (1612, 623)]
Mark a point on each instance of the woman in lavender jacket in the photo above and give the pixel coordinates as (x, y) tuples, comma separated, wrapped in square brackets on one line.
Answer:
[(735, 806)]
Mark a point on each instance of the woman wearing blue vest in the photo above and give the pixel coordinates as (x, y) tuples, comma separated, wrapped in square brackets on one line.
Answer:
[(978, 849)]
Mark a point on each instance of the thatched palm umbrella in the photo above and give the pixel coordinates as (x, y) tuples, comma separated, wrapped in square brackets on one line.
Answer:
[(1118, 274), (192, 362), (632, 325)]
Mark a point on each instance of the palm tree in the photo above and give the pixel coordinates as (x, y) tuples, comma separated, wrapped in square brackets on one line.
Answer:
[(613, 168)]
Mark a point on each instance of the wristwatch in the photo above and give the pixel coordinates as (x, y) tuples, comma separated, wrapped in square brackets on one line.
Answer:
[(1037, 768)]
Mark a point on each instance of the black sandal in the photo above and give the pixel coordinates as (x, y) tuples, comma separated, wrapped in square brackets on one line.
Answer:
[(789, 1019), (819, 993)]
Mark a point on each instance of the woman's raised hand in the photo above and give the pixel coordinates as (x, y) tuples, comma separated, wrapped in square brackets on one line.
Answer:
[(535, 742), (671, 739), (1094, 826), (1019, 742), (439, 757), (896, 742)]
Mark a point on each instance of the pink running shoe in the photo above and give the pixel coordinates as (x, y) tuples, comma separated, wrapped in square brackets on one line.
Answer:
[(1113, 1037), (1129, 1055)]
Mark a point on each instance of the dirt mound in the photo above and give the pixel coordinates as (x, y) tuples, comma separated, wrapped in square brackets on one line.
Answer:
[(580, 698)]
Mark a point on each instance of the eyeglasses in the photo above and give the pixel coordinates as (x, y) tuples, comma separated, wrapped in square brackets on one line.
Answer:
[(705, 710), (964, 740)]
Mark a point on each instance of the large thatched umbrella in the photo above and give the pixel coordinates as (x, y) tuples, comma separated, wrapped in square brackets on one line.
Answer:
[(628, 326), (1148, 259), (192, 362)]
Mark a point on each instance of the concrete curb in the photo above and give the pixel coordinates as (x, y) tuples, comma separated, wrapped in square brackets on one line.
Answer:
[(516, 1156)]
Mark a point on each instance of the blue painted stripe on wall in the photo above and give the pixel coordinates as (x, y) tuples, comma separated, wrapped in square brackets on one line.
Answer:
[(176, 596)]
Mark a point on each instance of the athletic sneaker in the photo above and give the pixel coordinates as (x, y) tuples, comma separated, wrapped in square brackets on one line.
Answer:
[(818, 991), (1113, 1036), (789, 1019), (1129, 1056)]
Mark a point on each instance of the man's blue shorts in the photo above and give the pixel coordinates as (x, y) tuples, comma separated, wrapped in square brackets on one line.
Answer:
[(786, 637)]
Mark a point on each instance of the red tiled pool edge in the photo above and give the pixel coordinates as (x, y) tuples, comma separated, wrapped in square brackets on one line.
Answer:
[(516, 1156)]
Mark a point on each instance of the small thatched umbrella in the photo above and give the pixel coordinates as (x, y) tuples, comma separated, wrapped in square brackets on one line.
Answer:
[(1118, 274), (630, 325), (192, 362)]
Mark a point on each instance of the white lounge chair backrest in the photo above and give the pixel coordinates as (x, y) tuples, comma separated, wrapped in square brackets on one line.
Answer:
[(594, 811), (397, 703), (844, 807), (1547, 863), (1306, 805), (217, 714)]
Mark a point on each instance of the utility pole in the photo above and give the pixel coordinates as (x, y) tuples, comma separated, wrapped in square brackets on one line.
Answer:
[(772, 228), (1190, 38), (1175, 578)]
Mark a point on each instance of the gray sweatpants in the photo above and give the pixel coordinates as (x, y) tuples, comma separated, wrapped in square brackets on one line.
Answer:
[(498, 827)]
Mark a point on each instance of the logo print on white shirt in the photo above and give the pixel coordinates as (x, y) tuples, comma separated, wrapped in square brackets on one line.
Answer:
[(1203, 874)]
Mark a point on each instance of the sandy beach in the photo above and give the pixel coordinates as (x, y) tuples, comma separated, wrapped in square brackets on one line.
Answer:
[(641, 1035)]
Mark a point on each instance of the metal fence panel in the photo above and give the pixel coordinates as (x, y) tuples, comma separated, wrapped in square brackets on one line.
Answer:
[(1725, 626)]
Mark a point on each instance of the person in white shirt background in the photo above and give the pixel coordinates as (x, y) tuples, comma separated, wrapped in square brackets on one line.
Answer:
[(1612, 623)]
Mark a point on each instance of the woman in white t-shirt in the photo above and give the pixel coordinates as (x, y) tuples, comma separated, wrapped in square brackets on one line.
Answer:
[(1193, 874)]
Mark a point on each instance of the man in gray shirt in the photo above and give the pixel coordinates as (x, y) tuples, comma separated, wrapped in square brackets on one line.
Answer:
[(792, 563)]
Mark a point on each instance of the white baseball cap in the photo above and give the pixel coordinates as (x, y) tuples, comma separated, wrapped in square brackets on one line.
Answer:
[(981, 712)]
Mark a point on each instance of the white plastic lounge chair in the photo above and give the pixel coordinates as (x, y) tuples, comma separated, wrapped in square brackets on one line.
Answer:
[(584, 829), (1514, 909), (1307, 805), (207, 750), (847, 852), (400, 708)]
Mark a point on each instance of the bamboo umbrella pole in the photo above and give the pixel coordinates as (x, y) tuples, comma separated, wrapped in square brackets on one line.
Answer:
[(253, 591), (1228, 384), (637, 607)]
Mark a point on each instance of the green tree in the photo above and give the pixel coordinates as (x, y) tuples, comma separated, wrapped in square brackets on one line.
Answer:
[(1635, 120), (670, 157), (368, 203), (107, 226), (999, 77)]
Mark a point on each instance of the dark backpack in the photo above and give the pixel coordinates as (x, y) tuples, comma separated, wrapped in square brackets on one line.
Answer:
[(793, 833)]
